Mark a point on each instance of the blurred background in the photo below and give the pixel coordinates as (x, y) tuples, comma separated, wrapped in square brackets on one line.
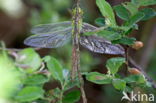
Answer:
[(18, 16)]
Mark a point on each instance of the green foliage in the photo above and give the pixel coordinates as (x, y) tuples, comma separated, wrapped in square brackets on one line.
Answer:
[(9, 76), (122, 12), (49, 11), (114, 64), (30, 93), (119, 84), (62, 75), (129, 12), (148, 12), (125, 41), (98, 78), (135, 79), (36, 80), (109, 35), (72, 97), (29, 86), (23, 78), (100, 22), (70, 85), (107, 12), (56, 69), (132, 8), (134, 19), (143, 2), (29, 59)]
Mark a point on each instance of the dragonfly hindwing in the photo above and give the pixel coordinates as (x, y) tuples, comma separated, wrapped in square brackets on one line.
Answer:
[(100, 45)]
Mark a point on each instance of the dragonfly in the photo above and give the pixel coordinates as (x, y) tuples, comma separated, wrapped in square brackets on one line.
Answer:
[(56, 35)]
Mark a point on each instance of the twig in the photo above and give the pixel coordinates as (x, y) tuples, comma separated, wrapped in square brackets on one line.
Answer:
[(82, 87), (127, 57), (132, 63), (149, 79)]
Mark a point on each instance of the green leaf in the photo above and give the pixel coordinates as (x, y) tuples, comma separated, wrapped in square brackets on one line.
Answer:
[(106, 11), (119, 84), (125, 41), (55, 68), (128, 89), (122, 12), (147, 2), (128, 31), (98, 78), (132, 8), (46, 58), (68, 82), (134, 19), (9, 74), (114, 64), (41, 101), (109, 35), (135, 1), (135, 78), (56, 92), (29, 94), (71, 83), (29, 58), (148, 12), (72, 97), (144, 2), (89, 33), (100, 21), (36, 79)]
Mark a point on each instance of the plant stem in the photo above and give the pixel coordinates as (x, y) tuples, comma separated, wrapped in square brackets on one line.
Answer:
[(62, 91), (127, 66), (82, 87), (127, 59)]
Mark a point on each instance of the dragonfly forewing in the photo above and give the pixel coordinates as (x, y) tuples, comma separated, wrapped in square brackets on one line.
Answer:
[(53, 35), (50, 35), (51, 28)]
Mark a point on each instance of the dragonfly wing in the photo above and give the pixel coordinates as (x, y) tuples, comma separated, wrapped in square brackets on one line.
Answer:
[(52, 40), (54, 27), (51, 28), (100, 45), (87, 27), (53, 35)]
